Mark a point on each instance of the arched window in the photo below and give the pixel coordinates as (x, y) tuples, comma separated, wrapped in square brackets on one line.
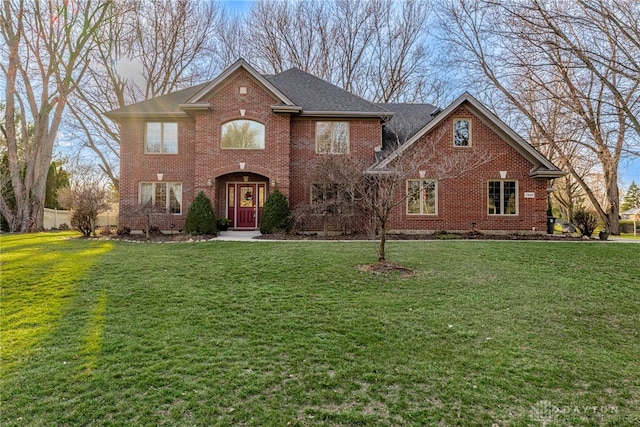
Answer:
[(243, 134)]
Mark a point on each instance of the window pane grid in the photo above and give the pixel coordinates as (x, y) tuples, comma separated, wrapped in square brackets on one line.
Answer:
[(421, 197), (332, 137), (162, 195), (502, 198), (161, 138)]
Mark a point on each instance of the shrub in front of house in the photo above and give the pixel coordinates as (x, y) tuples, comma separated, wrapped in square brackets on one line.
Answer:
[(200, 218), (585, 221), (275, 214)]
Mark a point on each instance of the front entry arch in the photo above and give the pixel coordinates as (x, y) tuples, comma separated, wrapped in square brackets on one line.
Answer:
[(244, 203)]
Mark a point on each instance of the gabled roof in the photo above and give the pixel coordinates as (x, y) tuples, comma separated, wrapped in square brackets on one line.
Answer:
[(318, 97), (240, 63), (542, 167), (295, 90)]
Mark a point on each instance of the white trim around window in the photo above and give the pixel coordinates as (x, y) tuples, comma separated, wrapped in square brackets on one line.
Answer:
[(502, 197), (422, 197), (161, 138), (162, 195)]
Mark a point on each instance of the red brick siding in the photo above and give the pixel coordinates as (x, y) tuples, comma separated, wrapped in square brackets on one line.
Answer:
[(364, 136), (270, 165), (136, 167), (463, 200)]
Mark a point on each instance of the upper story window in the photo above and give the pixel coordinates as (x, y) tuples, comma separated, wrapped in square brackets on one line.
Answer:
[(502, 198), (422, 197), (462, 132), (161, 138), (243, 134), (332, 137)]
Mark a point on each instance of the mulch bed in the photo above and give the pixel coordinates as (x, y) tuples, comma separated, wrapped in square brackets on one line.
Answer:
[(433, 236), (178, 237)]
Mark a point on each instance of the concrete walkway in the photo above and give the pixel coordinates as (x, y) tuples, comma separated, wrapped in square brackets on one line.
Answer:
[(233, 235)]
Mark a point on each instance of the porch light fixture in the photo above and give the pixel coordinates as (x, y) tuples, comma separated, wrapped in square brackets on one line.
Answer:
[(209, 183), (246, 178), (242, 111), (422, 174), (242, 165), (503, 174), (273, 182), (159, 176)]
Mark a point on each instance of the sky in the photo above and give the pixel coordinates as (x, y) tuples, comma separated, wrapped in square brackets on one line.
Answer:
[(629, 168)]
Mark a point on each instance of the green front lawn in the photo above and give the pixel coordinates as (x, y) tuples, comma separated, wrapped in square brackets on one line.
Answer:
[(292, 333)]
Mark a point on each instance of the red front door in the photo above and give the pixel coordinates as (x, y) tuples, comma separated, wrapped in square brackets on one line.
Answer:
[(244, 204)]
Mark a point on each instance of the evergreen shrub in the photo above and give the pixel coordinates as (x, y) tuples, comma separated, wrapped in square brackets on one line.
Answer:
[(275, 214), (200, 218)]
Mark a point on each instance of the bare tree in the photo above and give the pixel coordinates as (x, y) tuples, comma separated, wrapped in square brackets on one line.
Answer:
[(45, 51), (564, 57), (335, 195), (87, 197), (146, 50), (384, 187)]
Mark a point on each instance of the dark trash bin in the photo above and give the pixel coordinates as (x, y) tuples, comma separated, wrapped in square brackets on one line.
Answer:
[(551, 221)]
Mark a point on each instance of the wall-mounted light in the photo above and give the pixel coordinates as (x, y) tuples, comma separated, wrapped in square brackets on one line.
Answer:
[(242, 165), (503, 174), (242, 111), (422, 173), (160, 176), (209, 182), (273, 182)]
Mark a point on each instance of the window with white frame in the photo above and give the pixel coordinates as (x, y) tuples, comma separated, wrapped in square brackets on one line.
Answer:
[(161, 138), (162, 195), (243, 134), (502, 198), (462, 132), (332, 137), (422, 197)]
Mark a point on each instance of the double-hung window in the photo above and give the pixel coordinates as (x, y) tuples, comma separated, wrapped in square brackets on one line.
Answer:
[(503, 198), (332, 137), (421, 197), (161, 138), (162, 195)]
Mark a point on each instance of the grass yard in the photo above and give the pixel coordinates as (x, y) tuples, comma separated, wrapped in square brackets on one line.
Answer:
[(292, 333)]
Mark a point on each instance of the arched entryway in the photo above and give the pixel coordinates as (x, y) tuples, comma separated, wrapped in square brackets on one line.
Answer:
[(243, 198)]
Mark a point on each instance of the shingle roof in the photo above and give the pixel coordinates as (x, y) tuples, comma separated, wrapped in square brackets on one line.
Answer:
[(165, 105), (316, 95), (407, 120)]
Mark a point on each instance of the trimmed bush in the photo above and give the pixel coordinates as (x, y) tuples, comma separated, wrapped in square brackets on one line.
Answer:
[(585, 221), (275, 214), (200, 218)]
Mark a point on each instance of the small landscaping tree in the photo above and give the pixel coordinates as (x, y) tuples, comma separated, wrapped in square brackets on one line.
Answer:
[(275, 213), (87, 196), (585, 221), (200, 218)]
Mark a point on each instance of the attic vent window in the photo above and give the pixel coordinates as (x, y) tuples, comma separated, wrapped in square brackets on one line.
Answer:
[(243, 90)]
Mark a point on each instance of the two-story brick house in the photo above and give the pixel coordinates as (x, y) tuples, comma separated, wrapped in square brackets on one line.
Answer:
[(243, 134)]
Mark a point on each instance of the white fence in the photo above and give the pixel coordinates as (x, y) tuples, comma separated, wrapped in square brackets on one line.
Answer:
[(53, 218)]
